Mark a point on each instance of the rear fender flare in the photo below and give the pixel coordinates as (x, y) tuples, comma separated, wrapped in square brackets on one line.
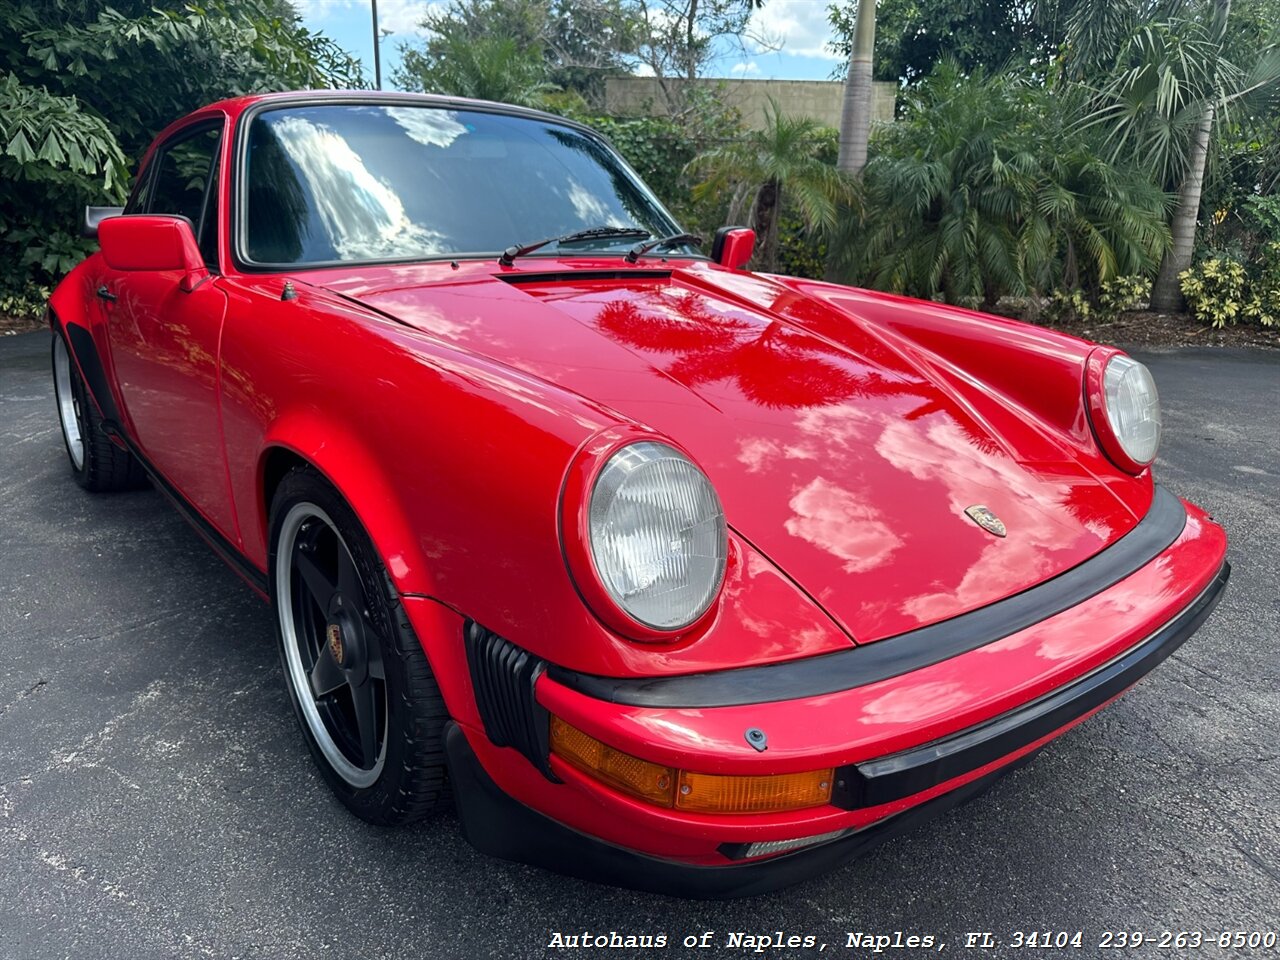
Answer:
[(70, 317)]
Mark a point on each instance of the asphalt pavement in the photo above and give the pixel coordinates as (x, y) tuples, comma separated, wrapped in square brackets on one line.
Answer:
[(156, 799)]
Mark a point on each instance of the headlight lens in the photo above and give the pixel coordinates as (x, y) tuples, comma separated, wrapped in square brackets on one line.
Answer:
[(657, 535), (1133, 407)]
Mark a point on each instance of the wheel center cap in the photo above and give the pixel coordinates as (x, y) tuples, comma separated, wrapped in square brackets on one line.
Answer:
[(333, 634)]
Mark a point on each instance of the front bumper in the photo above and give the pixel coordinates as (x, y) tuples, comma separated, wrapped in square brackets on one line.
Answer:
[(500, 826)]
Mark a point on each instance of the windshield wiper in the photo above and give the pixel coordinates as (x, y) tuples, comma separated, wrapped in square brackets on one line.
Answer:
[(520, 249), (640, 249)]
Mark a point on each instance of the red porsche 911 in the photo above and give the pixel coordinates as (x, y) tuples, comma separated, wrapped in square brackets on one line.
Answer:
[(675, 575)]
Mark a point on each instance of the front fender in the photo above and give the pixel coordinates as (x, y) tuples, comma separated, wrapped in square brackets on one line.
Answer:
[(343, 457), (455, 465)]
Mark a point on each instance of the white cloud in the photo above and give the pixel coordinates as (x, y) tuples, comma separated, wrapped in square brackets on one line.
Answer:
[(401, 17), (800, 26), (745, 69)]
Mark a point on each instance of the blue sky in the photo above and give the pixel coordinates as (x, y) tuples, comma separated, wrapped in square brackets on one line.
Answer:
[(797, 28)]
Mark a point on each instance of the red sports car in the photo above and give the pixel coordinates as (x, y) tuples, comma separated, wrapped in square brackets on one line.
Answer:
[(676, 575)]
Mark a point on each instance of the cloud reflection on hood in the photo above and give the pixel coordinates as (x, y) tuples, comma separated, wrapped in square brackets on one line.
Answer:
[(943, 452), (834, 520)]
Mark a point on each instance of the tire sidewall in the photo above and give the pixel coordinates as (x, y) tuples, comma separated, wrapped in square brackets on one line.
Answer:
[(307, 486), (81, 396)]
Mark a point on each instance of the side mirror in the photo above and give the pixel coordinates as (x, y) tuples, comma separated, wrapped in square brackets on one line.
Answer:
[(94, 216), (153, 243), (733, 247)]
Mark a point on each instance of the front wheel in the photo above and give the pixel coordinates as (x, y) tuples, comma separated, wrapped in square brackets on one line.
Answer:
[(360, 684)]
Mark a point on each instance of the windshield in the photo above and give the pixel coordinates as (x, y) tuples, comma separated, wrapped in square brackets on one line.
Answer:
[(343, 183)]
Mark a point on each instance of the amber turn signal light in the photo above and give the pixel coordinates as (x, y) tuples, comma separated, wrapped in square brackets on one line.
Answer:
[(705, 793), (683, 790), (631, 775)]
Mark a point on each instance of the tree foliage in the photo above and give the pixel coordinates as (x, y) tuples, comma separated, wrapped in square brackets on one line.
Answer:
[(517, 50), (984, 190), (85, 86), (912, 36), (781, 163), (679, 37), (1170, 89)]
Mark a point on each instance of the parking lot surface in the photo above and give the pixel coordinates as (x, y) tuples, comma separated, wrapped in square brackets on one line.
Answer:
[(156, 799)]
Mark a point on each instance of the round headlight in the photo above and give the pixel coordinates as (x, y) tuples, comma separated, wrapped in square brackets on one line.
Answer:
[(657, 535), (1132, 407)]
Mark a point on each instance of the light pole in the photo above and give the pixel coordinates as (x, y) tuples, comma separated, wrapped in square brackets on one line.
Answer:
[(377, 58)]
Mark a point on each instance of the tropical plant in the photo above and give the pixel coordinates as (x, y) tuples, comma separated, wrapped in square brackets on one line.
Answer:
[(49, 138), (1263, 305), (1067, 306), (1123, 293), (1215, 290), (781, 162), (983, 189), (1170, 85)]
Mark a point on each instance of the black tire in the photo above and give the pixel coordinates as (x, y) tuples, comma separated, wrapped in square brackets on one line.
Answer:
[(102, 465), (403, 778)]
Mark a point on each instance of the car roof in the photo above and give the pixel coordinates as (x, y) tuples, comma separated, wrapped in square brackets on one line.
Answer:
[(234, 106)]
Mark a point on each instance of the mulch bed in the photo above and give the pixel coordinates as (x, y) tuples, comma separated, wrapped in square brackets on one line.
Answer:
[(10, 324), (1170, 330)]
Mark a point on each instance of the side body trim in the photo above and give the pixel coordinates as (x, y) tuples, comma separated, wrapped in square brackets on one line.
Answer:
[(893, 656)]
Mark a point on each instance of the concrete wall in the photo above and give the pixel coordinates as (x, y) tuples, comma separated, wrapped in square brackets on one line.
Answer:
[(819, 99)]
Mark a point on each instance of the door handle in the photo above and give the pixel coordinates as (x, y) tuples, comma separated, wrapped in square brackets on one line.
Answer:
[(105, 294)]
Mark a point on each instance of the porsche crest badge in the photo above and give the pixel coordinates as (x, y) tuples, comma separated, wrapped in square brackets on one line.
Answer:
[(987, 520)]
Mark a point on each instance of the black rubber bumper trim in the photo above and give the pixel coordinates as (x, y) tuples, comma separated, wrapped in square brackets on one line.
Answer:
[(497, 825), (893, 656), (890, 778)]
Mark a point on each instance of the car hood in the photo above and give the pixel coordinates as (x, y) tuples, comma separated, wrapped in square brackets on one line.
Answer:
[(845, 456)]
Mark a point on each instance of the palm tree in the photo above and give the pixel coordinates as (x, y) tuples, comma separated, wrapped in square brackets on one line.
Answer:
[(982, 189), (855, 118), (1171, 84), (780, 160)]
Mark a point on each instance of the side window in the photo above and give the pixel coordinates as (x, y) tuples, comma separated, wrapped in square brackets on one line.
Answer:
[(208, 235), (137, 201), (185, 184)]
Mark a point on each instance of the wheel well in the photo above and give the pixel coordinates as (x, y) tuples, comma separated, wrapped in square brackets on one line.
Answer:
[(277, 465)]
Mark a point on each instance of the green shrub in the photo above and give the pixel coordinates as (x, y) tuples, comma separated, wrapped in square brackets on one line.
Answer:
[(1068, 306), (802, 252), (987, 187), (1215, 290), (27, 303), (1263, 304), (1121, 294)]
